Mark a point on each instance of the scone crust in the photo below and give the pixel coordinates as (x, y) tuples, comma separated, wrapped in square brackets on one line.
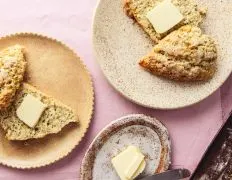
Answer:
[(184, 55), (11, 74), (137, 10)]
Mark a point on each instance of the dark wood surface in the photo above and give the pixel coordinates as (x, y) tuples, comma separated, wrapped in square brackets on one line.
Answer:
[(219, 152)]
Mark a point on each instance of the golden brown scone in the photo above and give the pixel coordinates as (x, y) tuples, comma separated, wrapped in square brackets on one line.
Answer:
[(138, 9), (184, 55), (55, 117), (12, 69)]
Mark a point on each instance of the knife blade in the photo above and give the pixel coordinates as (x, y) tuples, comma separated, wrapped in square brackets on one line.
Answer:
[(170, 175)]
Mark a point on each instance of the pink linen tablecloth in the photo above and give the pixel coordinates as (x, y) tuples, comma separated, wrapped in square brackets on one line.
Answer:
[(191, 128)]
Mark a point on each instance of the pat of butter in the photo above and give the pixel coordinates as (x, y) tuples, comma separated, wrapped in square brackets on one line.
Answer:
[(140, 169), (30, 110), (164, 16), (135, 163), (129, 163)]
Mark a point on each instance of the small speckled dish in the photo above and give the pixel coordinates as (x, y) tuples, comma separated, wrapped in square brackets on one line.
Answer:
[(56, 70), (119, 43), (146, 133)]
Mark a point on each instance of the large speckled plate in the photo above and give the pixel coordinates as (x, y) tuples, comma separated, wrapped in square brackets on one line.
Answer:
[(146, 133), (57, 71), (119, 43)]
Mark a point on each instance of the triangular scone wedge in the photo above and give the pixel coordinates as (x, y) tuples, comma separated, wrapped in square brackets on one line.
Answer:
[(138, 9), (12, 69), (184, 55), (53, 119)]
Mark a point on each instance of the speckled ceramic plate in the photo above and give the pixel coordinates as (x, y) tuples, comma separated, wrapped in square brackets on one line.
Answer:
[(147, 133), (119, 43), (57, 71)]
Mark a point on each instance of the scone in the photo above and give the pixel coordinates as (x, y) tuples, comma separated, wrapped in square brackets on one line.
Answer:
[(138, 9), (12, 69), (184, 55), (53, 119)]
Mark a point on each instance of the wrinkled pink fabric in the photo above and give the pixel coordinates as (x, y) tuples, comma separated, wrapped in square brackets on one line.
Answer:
[(70, 21)]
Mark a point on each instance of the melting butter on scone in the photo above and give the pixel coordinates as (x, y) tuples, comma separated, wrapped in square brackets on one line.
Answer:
[(129, 163), (12, 69), (164, 16), (139, 9), (184, 55), (48, 116), (30, 110)]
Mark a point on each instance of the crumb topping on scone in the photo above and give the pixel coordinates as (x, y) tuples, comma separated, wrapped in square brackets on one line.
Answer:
[(185, 55)]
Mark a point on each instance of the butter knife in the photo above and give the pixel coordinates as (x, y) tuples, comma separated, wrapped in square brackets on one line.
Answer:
[(170, 175)]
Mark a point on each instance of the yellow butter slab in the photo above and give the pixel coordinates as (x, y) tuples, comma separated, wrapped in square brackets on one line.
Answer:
[(164, 16), (30, 110), (129, 163), (134, 166)]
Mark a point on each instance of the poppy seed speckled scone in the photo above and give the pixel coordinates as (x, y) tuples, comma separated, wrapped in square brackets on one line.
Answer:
[(54, 118), (12, 69), (184, 55), (138, 9)]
